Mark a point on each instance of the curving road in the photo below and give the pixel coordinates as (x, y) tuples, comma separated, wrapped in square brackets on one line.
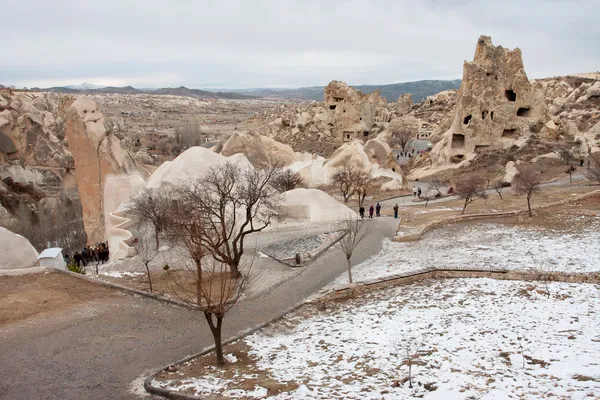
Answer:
[(97, 351)]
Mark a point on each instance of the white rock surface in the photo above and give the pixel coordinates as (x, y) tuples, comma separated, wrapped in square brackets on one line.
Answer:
[(315, 206), (191, 164), (16, 251)]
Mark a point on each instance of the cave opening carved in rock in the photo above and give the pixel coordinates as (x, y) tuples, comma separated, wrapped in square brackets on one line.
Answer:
[(523, 112), (467, 119), (510, 133), (510, 95), (458, 141)]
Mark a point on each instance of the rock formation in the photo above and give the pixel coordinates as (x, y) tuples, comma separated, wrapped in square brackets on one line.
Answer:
[(97, 154), (260, 150), (404, 105), (313, 205), (345, 114), (497, 107), (54, 155)]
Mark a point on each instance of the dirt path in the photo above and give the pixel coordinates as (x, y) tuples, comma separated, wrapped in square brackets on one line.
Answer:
[(96, 348)]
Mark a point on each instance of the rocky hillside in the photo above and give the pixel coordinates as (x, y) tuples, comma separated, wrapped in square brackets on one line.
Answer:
[(497, 116), (55, 155), (499, 111), (348, 114)]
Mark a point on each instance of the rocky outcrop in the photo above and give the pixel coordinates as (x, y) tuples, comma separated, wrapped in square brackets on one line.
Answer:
[(261, 151), (54, 155), (404, 105), (345, 114), (97, 153), (496, 107)]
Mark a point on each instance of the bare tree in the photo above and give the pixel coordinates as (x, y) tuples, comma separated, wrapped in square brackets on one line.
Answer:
[(146, 251), (286, 180), (354, 232), (593, 172), (437, 184), (470, 186), (195, 277), (187, 135), (409, 347), (345, 180), (364, 185), (401, 137), (233, 203), (148, 207), (568, 157), (527, 182), (427, 197), (498, 185)]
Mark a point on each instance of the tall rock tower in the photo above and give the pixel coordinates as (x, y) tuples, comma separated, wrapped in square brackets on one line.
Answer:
[(97, 154), (497, 107)]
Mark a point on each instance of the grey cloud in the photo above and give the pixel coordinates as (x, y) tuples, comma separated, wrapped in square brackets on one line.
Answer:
[(285, 43)]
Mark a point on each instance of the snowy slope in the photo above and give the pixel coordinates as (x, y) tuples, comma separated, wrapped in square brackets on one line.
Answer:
[(85, 86)]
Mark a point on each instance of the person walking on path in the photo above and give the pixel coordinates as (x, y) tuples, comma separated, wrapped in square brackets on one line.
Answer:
[(371, 209), (414, 191), (396, 210), (378, 210), (419, 192), (361, 211)]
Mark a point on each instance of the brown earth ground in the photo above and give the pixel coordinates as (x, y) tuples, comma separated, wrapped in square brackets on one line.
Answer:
[(411, 217), (43, 295)]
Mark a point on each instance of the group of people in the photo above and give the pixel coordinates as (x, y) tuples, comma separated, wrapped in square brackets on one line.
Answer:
[(375, 209), (98, 254), (409, 154)]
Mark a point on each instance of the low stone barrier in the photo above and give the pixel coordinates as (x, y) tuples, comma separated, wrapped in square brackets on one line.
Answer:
[(349, 291)]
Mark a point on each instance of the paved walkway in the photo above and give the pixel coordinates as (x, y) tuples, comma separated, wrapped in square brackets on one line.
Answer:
[(98, 350)]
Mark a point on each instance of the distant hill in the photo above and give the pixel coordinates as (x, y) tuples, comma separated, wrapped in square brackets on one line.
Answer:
[(179, 91), (418, 89)]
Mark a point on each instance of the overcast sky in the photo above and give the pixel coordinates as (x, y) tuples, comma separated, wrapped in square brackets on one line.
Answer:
[(253, 43)]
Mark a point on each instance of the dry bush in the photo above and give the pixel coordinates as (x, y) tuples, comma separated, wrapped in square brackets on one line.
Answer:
[(148, 207), (286, 180)]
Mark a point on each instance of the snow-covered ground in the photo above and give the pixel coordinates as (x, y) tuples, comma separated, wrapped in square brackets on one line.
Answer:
[(302, 246), (489, 245), (467, 339)]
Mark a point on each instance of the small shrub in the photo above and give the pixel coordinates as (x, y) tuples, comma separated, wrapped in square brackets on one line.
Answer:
[(75, 267)]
